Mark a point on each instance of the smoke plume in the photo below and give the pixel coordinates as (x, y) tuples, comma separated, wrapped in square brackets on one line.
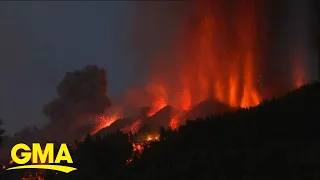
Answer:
[(82, 95)]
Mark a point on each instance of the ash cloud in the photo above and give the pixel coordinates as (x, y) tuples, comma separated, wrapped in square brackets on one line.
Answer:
[(82, 95)]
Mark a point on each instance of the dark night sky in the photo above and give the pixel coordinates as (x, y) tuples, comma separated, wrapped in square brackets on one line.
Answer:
[(41, 41)]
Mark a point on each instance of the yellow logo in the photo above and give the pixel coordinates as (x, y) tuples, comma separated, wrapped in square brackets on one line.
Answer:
[(45, 156)]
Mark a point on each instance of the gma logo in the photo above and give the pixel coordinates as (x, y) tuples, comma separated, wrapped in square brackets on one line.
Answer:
[(45, 156)]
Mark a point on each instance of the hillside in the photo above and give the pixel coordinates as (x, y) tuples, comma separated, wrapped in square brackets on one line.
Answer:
[(279, 139)]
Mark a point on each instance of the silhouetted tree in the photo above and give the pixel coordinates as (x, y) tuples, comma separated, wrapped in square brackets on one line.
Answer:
[(1, 132)]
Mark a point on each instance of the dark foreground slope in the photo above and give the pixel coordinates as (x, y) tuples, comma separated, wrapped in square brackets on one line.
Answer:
[(279, 139)]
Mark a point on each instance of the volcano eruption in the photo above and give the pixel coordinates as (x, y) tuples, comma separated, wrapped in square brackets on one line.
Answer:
[(221, 55), (219, 60)]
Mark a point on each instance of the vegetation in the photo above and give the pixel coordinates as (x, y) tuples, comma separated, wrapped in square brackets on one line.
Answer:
[(1, 133)]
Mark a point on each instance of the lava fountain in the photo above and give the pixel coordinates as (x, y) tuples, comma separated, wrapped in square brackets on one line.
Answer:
[(216, 54), (217, 58)]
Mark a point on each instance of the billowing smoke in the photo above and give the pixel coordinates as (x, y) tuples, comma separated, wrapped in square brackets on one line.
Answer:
[(82, 98), (82, 95)]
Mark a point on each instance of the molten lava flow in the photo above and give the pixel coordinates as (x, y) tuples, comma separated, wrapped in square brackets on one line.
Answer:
[(138, 147), (105, 121), (136, 152), (133, 128)]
